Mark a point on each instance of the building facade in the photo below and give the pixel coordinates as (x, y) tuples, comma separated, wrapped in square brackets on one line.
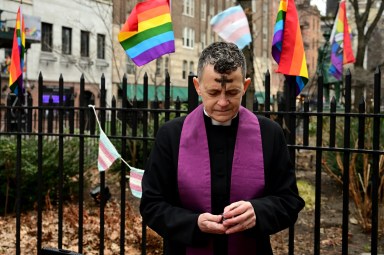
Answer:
[(80, 37), (72, 38), (191, 21)]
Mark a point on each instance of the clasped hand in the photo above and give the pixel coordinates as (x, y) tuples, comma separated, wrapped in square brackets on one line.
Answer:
[(237, 217)]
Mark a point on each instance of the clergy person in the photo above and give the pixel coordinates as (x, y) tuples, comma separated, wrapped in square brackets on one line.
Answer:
[(219, 181)]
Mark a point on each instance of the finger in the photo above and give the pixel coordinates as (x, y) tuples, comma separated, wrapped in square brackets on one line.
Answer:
[(236, 209), (213, 218), (232, 206), (235, 229), (209, 223), (237, 218), (242, 226)]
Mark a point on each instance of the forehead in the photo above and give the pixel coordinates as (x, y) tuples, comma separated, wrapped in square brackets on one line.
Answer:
[(210, 77)]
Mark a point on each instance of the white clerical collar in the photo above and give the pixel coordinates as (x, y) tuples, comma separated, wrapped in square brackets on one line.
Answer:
[(217, 123)]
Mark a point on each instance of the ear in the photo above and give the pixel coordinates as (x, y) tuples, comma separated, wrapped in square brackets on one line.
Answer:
[(247, 82), (197, 85)]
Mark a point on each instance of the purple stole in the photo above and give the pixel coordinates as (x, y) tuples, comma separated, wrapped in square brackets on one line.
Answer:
[(194, 176)]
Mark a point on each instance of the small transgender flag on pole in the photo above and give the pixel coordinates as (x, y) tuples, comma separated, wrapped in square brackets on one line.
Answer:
[(232, 25), (108, 154), (135, 178)]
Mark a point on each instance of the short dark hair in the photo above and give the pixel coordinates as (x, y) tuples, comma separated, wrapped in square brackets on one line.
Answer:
[(224, 56)]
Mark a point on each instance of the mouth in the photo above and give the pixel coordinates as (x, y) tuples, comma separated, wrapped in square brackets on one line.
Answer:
[(222, 112)]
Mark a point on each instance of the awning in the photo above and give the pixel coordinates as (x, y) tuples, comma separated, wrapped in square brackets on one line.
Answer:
[(175, 91), (260, 96)]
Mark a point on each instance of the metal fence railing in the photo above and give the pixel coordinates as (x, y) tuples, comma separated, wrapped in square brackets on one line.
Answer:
[(60, 121)]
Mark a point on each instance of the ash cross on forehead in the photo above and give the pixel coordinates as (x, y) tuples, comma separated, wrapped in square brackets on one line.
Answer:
[(223, 80)]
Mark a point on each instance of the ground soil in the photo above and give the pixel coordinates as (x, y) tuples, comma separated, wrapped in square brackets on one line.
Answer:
[(331, 224)]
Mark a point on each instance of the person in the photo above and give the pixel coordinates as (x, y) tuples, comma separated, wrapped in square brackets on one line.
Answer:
[(219, 180)]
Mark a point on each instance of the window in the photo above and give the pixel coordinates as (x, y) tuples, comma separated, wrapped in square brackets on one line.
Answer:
[(166, 63), (188, 37), (219, 7), (159, 63), (100, 46), (130, 66), (191, 67), (46, 37), (212, 38), (84, 44), (189, 7), (66, 40), (211, 7), (203, 10), (203, 40), (185, 64)]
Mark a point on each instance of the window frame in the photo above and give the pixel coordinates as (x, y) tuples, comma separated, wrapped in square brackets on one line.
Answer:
[(84, 45), (184, 72), (189, 8), (46, 37), (188, 37), (66, 41), (100, 48)]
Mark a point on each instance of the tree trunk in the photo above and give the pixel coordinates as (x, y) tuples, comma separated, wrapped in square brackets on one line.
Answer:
[(248, 53)]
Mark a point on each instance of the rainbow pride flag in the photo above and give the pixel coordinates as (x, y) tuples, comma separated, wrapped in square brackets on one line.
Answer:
[(17, 58), (287, 44), (148, 32), (340, 40), (232, 25)]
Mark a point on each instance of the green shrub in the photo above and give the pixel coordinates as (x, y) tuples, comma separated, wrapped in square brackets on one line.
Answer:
[(360, 172), (50, 171)]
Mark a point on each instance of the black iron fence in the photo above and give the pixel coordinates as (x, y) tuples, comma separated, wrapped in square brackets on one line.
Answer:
[(60, 121)]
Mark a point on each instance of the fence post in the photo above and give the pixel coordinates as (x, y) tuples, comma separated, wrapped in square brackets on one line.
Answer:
[(18, 173), (267, 97), (145, 149), (29, 114), (306, 123), (40, 165), (290, 86), (102, 173), (347, 145), (376, 158), (81, 161), (9, 113), (193, 98), (123, 168), (61, 162), (332, 123), (167, 99), (319, 154)]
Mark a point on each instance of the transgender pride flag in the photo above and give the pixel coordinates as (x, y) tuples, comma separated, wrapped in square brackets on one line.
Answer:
[(135, 179), (107, 152), (232, 25)]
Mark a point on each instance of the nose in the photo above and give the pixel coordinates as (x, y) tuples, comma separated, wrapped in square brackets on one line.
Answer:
[(223, 100)]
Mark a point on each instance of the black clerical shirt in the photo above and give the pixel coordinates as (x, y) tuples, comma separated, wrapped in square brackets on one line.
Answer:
[(221, 144)]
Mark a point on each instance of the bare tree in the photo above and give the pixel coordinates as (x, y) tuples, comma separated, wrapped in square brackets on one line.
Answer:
[(366, 19), (366, 22)]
